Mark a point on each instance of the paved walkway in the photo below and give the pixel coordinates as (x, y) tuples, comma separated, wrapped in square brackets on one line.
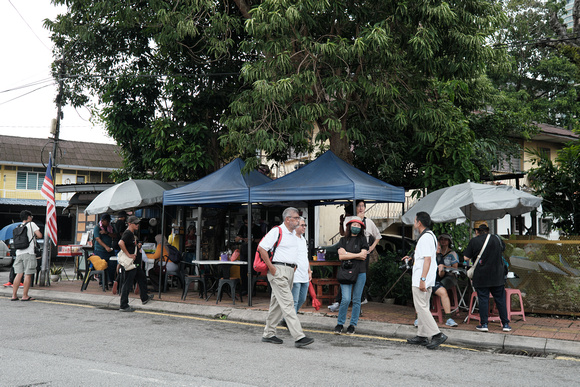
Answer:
[(537, 334)]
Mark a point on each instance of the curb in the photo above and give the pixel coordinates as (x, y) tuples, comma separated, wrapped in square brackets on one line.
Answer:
[(482, 340)]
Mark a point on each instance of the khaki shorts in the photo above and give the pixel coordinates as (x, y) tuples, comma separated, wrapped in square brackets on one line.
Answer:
[(25, 263)]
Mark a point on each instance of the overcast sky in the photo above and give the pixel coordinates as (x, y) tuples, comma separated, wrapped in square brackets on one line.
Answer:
[(27, 91)]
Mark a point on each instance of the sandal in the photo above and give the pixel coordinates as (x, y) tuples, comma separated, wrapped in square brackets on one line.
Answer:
[(14, 299), (28, 299)]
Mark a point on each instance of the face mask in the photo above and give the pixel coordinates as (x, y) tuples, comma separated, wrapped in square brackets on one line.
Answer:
[(354, 230)]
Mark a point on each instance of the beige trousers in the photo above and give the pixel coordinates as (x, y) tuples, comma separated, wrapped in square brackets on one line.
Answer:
[(282, 303), (427, 326)]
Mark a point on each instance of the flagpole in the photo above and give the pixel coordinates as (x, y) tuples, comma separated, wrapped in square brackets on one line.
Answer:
[(45, 264)]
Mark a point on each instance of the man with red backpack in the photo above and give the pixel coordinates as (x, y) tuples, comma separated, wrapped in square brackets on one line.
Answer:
[(281, 275)]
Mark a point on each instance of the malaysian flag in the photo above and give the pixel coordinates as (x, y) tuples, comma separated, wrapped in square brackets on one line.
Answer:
[(47, 191)]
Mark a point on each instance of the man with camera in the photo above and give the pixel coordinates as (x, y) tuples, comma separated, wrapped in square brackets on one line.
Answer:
[(423, 280)]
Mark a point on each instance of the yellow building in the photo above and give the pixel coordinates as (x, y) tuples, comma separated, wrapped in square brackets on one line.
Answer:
[(23, 167)]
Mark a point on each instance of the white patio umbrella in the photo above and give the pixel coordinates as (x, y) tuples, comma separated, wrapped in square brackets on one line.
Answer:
[(128, 194), (473, 201)]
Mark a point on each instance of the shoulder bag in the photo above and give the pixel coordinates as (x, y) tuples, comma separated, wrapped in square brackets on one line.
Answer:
[(347, 273), (125, 261), (471, 270)]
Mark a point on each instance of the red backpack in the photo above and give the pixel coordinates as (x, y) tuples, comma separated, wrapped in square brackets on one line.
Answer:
[(259, 264)]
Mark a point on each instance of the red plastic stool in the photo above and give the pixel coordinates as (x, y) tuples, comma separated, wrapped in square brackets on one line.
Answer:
[(472, 315), (437, 305), (508, 296)]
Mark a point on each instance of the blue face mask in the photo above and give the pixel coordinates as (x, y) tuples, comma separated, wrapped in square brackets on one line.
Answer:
[(354, 230)]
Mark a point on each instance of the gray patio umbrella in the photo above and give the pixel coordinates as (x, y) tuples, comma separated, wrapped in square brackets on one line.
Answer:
[(128, 194), (473, 201)]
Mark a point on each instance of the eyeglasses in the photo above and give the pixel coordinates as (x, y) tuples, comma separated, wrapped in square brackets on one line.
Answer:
[(302, 225), (294, 217)]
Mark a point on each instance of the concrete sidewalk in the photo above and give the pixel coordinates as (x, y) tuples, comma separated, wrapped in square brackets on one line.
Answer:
[(537, 334)]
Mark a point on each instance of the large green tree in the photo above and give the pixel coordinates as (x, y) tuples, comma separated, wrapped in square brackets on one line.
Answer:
[(390, 85), (159, 74)]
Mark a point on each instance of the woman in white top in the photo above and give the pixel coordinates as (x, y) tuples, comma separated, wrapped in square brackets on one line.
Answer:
[(303, 274)]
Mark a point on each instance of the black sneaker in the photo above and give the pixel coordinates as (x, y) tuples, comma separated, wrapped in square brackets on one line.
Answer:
[(149, 298), (273, 340), (283, 323), (418, 340), (350, 330), (127, 309), (338, 329), (303, 342), (436, 341)]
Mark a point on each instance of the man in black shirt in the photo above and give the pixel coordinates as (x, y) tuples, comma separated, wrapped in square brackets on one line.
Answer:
[(128, 244), (489, 276)]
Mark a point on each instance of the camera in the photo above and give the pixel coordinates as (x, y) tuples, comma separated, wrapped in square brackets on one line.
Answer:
[(406, 265)]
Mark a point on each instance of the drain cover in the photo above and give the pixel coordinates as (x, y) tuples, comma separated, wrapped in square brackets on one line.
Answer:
[(520, 352)]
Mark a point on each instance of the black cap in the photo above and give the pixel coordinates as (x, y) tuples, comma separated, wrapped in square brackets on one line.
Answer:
[(106, 217)]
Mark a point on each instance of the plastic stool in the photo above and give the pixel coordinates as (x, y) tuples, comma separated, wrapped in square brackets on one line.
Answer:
[(437, 304), (232, 283), (508, 296), (472, 315)]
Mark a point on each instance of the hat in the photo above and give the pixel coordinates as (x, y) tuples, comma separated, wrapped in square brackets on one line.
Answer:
[(481, 225), (446, 236), (122, 214), (106, 217), (356, 219), (133, 219)]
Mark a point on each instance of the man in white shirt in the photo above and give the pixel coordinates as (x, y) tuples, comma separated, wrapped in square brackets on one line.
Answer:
[(25, 262), (423, 280), (281, 275)]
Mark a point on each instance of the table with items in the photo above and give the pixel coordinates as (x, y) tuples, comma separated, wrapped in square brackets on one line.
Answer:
[(216, 270), (329, 281)]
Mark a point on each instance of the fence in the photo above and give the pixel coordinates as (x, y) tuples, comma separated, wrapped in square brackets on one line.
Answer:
[(548, 273)]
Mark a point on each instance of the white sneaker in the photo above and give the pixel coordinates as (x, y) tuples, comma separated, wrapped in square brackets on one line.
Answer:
[(451, 323), (334, 307), (364, 301)]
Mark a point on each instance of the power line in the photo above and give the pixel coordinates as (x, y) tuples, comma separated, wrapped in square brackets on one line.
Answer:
[(35, 83), (22, 95), (19, 14)]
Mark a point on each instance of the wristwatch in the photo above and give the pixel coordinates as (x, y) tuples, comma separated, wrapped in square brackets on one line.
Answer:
[(423, 279)]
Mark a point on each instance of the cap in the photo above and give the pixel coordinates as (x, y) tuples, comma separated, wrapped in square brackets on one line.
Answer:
[(133, 219), (356, 219), (446, 236), (122, 214), (106, 217), (481, 225)]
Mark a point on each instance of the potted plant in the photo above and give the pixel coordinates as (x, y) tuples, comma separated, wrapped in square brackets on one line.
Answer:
[(55, 273)]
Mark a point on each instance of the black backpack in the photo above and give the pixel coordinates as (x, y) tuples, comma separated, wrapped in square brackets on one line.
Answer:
[(174, 254), (20, 236)]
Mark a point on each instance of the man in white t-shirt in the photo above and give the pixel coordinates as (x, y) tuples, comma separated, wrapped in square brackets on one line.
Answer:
[(280, 276), (25, 262), (423, 280)]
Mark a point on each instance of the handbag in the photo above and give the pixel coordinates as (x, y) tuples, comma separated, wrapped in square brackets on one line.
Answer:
[(471, 270), (347, 273), (125, 261)]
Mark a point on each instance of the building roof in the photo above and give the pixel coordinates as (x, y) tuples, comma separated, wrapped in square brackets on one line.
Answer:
[(553, 133), (33, 152)]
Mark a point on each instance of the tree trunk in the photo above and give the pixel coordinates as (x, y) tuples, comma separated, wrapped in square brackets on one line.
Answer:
[(340, 147)]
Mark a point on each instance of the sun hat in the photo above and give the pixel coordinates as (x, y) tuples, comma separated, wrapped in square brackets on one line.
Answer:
[(356, 219)]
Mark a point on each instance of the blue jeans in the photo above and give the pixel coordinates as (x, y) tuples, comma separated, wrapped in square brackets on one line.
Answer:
[(299, 292), (355, 290)]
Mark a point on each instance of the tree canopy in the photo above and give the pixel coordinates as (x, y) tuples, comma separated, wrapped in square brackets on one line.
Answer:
[(400, 89)]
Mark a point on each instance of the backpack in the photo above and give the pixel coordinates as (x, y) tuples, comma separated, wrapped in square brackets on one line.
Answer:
[(174, 254), (259, 264), (20, 236)]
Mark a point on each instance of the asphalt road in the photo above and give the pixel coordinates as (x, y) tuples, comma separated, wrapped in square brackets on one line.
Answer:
[(55, 344)]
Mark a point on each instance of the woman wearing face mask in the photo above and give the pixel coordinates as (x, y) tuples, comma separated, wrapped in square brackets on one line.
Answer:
[(353, 247)]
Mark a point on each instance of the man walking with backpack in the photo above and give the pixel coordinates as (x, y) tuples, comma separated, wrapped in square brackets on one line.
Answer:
[(25, 262), (281, 275)]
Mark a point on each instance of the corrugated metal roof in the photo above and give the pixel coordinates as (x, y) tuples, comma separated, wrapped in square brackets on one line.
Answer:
[(72, 154), (31, 202)]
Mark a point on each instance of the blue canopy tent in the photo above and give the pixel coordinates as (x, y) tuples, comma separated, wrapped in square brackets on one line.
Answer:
[(327, 178), (223, 187)]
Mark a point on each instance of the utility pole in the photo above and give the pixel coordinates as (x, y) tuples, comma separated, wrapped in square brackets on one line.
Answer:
[(46, 254)]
